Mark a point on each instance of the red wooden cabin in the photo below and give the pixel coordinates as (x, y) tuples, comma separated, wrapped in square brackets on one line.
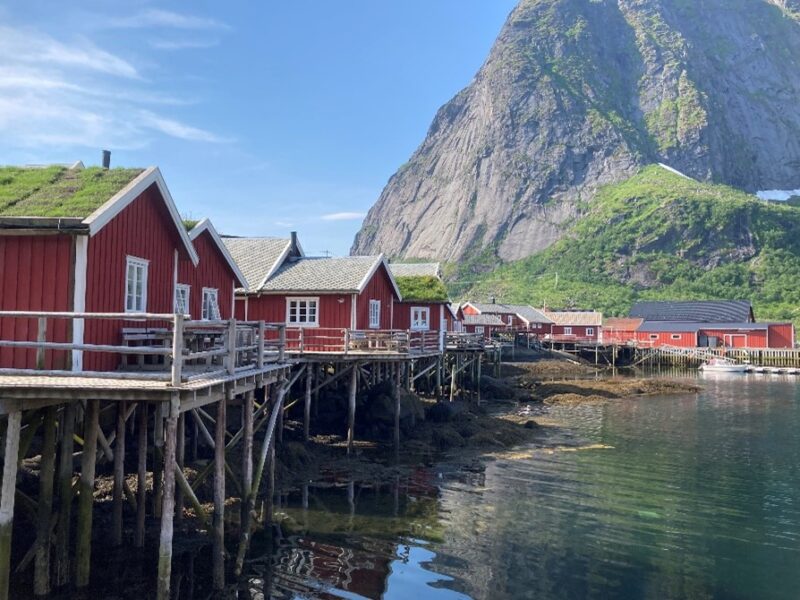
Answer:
[(620, 330), (321, 296), (425, 305), (486, 325), (518, 317), (85, 240), (575, 326), (206, 291), (716, 335)]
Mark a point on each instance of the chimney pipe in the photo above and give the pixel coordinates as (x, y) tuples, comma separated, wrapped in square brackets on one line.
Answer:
[(493, 300), (294, 241), (106, 159)]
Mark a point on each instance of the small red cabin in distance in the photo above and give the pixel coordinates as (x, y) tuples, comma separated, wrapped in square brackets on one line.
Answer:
[(486, 325), (517, 317), (322, 295), (206, 291), (91, 240), (620, 330), (575, 326), (425, 304)]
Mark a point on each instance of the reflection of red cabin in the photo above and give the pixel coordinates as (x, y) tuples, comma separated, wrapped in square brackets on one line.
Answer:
[(283, 285), (95, 251), (575, 325), (209, 286)]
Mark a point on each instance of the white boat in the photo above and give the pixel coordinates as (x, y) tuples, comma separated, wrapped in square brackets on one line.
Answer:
[(722, 365)]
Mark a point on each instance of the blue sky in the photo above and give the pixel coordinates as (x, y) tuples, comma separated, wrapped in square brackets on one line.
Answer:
[(265, 116)]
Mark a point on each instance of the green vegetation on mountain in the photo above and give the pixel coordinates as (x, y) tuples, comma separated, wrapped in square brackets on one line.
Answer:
[(658, 235)]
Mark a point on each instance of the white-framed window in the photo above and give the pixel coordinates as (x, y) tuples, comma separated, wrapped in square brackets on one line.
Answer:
[(420, 318), (302, 311), (374, 314), (510, 320), (182, 298), (210, 305), (653, 336), (675, 336), (567, 330), (136, 284), (479, 329), (590, 331)]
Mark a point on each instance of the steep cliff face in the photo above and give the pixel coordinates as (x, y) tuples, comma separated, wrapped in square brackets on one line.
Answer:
[(580, 93)]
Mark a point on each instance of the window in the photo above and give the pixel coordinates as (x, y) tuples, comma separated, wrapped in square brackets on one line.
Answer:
[(420, 318), (210, 305), (479, 329), (136, 285), (590, 331), (374, 314), (653, 336), (510, 320), (675, 336), (567, 330), (302, 311), (182, 299)]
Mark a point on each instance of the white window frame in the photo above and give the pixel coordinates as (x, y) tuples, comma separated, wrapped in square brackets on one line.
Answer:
[(479, 329), (653, 336), (567, 330), (307, 300), (423, 310), (204, 315), (589, 331), (675, 336), (179, 289), (141, 266), (374, 314)]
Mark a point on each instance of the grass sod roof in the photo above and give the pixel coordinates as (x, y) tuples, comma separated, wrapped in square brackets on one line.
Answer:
[(58, 191), (424, 288)]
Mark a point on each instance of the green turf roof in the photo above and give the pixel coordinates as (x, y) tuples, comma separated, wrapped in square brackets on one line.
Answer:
[(58, 191), (425, 288)]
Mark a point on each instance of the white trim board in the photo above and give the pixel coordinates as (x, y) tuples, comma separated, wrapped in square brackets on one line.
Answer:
[(206, 225)]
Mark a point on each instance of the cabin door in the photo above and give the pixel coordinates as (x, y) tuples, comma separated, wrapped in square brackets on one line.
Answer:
[(736, 340)]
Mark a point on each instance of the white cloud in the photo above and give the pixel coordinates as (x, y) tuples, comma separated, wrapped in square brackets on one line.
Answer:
[(75, 94), (343, 216), (152, 18), (182, 44)]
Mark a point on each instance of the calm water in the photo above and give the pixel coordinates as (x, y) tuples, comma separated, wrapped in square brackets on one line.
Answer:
[(682, 497)]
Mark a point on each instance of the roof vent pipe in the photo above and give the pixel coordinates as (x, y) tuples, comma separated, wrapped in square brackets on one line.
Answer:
[(492, 299), (106, 159), (294, 242)]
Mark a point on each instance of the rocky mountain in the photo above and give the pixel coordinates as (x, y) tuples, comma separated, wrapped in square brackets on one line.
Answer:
[(580, 93)]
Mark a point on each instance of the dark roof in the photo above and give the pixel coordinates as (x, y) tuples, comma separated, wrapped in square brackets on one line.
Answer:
[(709, 311), (490, 320), (684, 327)]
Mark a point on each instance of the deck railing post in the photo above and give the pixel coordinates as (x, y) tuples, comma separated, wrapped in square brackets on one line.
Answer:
[(231, 346), (260, 357), (41, 337), (346, 340), (177, 349), (302, 338), (281, 342)]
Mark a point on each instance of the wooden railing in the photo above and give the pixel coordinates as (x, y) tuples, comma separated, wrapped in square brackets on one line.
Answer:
[(179, 349), (461, 340), (569, 338), (301, 340)]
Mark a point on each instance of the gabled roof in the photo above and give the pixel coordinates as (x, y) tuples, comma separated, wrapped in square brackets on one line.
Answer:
[(523, 311), (348, 274), (693, 327), (483, 319), (416, 269), (579, 318), (711, 311), (622, 323), (206, 225), (42, 197), (258, 258)]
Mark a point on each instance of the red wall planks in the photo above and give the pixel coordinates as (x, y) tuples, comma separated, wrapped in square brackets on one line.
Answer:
[(402, 314), (379, 287), (578, 331), (212, 271), (143, 229), (781, 335), (35, 274)]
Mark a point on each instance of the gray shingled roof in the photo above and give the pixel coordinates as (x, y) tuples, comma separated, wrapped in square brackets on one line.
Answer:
[(322, 274), (415, 269), (256, 257), (711, 311), (482, 320), (523, 311), (679, 327)]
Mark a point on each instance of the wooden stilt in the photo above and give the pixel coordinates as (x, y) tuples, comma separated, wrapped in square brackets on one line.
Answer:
[(247, 453), (119, 476), (83, 550), (453, 375), (396, 393), (351, 409), (218, 526), (438, 378), (478, 382), (180, 455), (141, 492), (65, 470), (269, 493), (168, 509), (158, 457), (7, 499), (41, 573), (307, 406)]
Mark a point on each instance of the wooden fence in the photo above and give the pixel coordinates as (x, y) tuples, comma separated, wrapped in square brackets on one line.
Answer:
[(328, 340)]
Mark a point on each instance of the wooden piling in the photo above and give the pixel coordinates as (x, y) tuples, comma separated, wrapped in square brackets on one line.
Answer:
[(7, 499), (247, 453), (119, 476), (453, 375), (307, 407), (41, 572), (158, 456), (83, 549), (351, 409), (65, 471), (180, 455), (141, 491), (168, 509), (396, 393), (478, 371), (218, 524)]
